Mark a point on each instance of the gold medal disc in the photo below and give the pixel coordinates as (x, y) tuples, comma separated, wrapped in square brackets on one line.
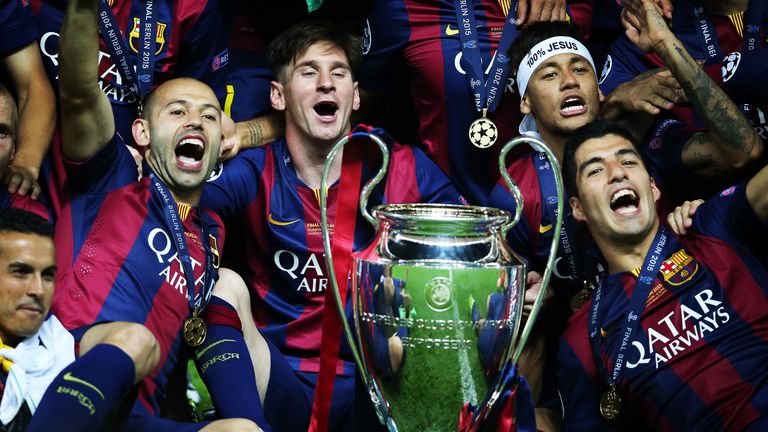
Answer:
[(194, 331), (579, 299), (610, 404), (483, 133)]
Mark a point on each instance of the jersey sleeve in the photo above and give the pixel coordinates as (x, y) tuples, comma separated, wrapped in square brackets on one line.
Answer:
[(385, 34), (234, 184), (204, 47), (624, 62), (17, 27), (730, 217), (112, 167), (579, 388)]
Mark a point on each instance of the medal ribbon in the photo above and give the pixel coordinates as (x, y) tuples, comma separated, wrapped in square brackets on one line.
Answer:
[(651, 265), (754, 18), (549, 204), (174, 223), (487, 93), (139, 80), (342, 246), (708, 40)]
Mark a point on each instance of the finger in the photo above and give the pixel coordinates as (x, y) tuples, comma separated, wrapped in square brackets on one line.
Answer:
[(562, 15), (522, 12), (535, 13), (13, 181), (666, 6), (661, 101), (36, 190), (680, 219), (24, 185), (546, 11)]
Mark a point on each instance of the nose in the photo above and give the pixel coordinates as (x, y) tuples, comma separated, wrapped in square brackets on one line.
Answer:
[(194, 121), (37, 285), (616, 172), (569, 80), (325, 82)]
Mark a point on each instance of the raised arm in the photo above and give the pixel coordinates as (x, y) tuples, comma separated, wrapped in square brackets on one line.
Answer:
[(86, 114), (37, 119), (730, 142)]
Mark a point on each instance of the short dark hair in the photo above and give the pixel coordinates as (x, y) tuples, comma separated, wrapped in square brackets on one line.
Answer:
[(292, 43), (535, 33), (595, 129), (25, 222)]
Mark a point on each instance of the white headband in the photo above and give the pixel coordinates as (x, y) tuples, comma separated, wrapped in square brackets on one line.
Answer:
[(543, 51)]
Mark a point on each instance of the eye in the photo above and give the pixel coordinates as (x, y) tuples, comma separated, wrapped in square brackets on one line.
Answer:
[(580, 70), (211, 117), (629, 162), (177, 112), (308, 73), (549, 75), (340, 73), (593, 171)]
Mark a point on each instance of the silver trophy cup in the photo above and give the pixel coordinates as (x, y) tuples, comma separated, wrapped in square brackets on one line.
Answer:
[(437, 300)]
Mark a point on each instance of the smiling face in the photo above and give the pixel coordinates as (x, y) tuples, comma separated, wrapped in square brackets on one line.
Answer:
[(318, 94), (183, 132), (562, 95), (27, 269), (616, 196)]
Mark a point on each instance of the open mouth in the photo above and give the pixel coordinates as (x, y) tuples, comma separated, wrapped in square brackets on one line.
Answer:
[(190, 150), (572, 105), (624, 201), (326, 109)]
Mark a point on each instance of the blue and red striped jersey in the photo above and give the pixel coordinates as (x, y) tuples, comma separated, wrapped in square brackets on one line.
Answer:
[(532, 236), (279, 216), (118, 261), (17, 27), (188, 41), (20, 202), (422, 36), (698, 359)]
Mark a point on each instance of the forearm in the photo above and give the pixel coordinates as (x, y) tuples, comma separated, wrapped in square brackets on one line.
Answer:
[(78, 52), (259, 131), (727, 128), (37, 119)]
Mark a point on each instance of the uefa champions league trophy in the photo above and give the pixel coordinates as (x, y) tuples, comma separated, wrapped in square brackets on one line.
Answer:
[(437, 301)]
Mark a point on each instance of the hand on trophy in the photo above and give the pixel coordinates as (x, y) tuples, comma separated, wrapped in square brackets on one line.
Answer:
[(533, 284)]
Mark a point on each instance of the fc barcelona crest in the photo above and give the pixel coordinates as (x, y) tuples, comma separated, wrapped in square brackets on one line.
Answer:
[(133, 36), (679, 268)]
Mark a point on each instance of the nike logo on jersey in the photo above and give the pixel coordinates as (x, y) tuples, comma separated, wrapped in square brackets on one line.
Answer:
[(281, 223), (544, 228), (451, 31), (68, 377)]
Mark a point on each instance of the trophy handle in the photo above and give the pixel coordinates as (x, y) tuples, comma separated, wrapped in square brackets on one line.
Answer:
[(367, 189), (537, 145)]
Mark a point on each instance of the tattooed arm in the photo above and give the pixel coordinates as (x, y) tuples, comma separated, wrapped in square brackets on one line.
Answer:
[(729, 143), (249, 134)]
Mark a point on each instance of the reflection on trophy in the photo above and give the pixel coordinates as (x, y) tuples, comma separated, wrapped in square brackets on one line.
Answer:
[(437, 300)]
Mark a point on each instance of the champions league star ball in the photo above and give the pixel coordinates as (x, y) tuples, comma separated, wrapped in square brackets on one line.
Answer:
[(729, 65), (483, 133)]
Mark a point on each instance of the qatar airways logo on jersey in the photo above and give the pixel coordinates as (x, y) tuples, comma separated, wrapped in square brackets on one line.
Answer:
[(110, 80), (680, 330), (173, 272), (308, 272)]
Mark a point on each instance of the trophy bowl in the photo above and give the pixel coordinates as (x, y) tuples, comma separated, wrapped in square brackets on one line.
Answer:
[(421, 297), (437, 301)]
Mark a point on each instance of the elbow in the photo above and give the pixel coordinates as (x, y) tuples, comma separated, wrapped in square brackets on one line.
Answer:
[(753, 152)]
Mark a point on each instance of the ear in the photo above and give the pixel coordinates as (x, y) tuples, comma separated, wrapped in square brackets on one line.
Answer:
[(356, 100), (276, 96), (525, 106), (655, 190), (600, 95), (578, 212), (140, 130)]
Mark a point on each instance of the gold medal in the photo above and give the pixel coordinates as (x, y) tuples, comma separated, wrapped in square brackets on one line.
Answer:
[(579, 299), (610, 403), (483, 132), (194, 330)]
